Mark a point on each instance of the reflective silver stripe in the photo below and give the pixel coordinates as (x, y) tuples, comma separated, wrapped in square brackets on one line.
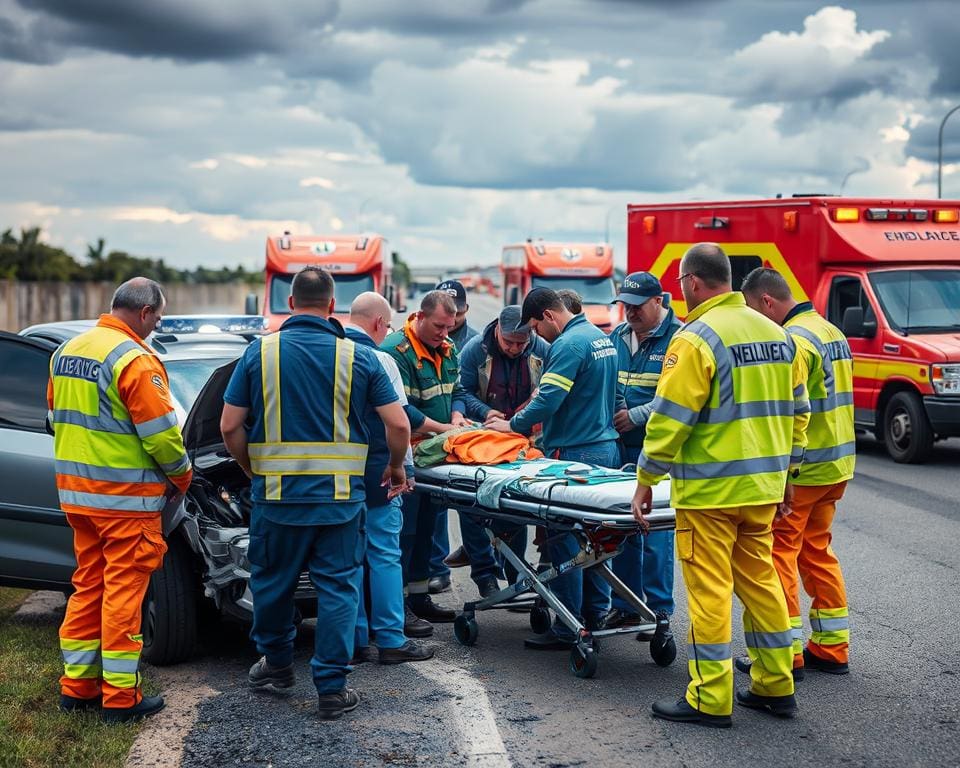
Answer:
[(797, 633), (769, 639), (829, 625), (798, 456), (653, 467), (108, 474), (341, 486), (674, 411), (708, 651), (825, 405), (106, 368), (113, 501), (120, 666), (817, 455), (101, 423), (713, 469), (307, 466), (87, 658), (308, 450), (177, 467), (156, 426), (342, 380), (748, 410), (270, 385)]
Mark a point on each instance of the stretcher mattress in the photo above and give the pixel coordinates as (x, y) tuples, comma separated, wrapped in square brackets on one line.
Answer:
[(547, 488)]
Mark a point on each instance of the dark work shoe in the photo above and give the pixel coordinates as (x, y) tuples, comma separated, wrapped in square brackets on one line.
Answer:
[(457, 559), (330, 706), (681, 712), (781, 706), (438, 584), (363, 655), (262, 674), (414, 626), (743, 664), (663, 619), (824, 665), (488, 587), (73, 704), (549, 641), (409, 651), (425, 608), (150, 705), (617, 618)]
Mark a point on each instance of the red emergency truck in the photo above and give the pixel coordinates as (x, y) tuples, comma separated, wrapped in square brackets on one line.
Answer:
[(586, 268), (358, 263), (886, 271)]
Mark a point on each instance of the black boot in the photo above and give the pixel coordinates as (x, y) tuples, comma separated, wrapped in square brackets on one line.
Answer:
[(413, 625), (824, 665), (262, 673), (681, 712), (409, 651), (425, 608), (781, 706), (150, 705), (330, 706)]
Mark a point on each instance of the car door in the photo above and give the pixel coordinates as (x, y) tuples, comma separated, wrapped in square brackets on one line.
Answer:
[(36, 544)]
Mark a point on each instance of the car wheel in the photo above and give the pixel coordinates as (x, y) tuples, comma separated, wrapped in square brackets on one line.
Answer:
[(907, 433), (169, 623)]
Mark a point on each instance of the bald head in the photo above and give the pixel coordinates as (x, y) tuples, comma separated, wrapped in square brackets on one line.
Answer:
[(139, 303), (708, 262), (371, 312)]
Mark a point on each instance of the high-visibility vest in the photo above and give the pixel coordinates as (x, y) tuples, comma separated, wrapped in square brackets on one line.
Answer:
[(831, 441), (102, 459), (288, 468), (735, 448)]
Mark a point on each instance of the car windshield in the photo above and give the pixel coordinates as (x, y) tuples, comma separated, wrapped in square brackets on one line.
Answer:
[(592, 290), (346, 289), (919, 300), (187, 377)]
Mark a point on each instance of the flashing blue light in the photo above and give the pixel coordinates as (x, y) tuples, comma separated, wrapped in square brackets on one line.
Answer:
[(212, 324)]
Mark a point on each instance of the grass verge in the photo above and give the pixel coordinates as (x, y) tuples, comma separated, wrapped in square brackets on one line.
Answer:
[(33, 731)]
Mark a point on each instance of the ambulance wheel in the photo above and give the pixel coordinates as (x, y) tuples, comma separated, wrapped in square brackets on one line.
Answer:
[(583, 661), (169, 611), (663, 650), (465, 629), (906, 429), (540, 621)]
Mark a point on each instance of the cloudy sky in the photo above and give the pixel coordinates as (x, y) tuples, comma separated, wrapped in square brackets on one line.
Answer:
[(192, 129)]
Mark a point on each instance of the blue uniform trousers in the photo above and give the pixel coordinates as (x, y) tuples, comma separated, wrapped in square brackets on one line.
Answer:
[(385, 574), (332, 554), (646, 563), (584, 593), (483, 562)]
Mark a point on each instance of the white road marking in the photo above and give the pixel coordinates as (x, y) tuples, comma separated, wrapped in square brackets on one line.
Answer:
[(472, 714)]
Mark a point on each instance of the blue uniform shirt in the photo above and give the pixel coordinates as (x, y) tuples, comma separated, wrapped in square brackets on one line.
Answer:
[(308, 357), (577, 391), (639, 372)]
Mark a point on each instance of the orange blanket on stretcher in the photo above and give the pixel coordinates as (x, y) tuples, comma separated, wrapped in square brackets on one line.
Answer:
[(486, 446)]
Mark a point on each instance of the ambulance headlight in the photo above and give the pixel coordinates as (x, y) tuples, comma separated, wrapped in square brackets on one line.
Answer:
[(945, 378)]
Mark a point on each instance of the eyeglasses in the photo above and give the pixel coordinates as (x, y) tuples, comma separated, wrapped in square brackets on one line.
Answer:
[(685, 276)]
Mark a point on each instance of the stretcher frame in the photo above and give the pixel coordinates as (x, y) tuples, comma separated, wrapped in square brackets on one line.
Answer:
[(600, 536)]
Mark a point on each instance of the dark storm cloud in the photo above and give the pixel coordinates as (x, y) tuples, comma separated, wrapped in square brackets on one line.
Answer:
[(180, 29)]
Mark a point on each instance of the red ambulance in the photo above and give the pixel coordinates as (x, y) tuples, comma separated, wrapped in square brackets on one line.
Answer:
[(886, 271)]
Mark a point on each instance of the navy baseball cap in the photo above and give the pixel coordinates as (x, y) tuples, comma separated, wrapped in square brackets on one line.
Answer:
[(534, 304), (456, 290), (637, 288)]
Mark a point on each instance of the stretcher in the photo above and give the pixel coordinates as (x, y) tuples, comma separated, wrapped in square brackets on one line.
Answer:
[(566, 497)]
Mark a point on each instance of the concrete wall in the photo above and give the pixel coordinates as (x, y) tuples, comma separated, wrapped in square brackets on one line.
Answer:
[(23, 304)]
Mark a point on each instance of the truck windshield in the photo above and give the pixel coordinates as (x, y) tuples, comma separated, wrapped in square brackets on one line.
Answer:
[(919, 300), (592, 290), (346, 289)]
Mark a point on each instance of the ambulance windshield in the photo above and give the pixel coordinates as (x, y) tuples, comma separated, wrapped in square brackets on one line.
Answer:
[(346, 289), (919, 300), (592, 290)]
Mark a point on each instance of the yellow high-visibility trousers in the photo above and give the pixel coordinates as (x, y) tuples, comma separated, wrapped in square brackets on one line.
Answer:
[(722, 551)]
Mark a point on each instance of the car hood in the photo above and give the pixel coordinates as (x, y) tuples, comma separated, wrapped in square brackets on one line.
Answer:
[(201, 430), (947, 344)]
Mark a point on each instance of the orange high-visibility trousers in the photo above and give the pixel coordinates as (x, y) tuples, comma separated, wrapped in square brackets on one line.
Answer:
[(100, 636), (801, 544)]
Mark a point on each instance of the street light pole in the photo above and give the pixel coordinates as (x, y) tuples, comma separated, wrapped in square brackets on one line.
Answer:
[(940, 152)]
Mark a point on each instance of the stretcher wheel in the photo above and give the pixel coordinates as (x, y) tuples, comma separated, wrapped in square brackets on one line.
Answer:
[(583, 661), (540, 620), (465, 629), (663, 649)]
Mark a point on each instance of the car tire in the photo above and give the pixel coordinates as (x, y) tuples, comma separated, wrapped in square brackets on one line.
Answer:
[(169, 623), (907, 433)]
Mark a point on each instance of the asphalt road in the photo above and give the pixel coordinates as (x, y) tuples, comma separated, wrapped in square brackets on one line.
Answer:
[(496, 704)]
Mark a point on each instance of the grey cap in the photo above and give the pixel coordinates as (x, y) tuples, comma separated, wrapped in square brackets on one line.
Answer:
[(510, 319)]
